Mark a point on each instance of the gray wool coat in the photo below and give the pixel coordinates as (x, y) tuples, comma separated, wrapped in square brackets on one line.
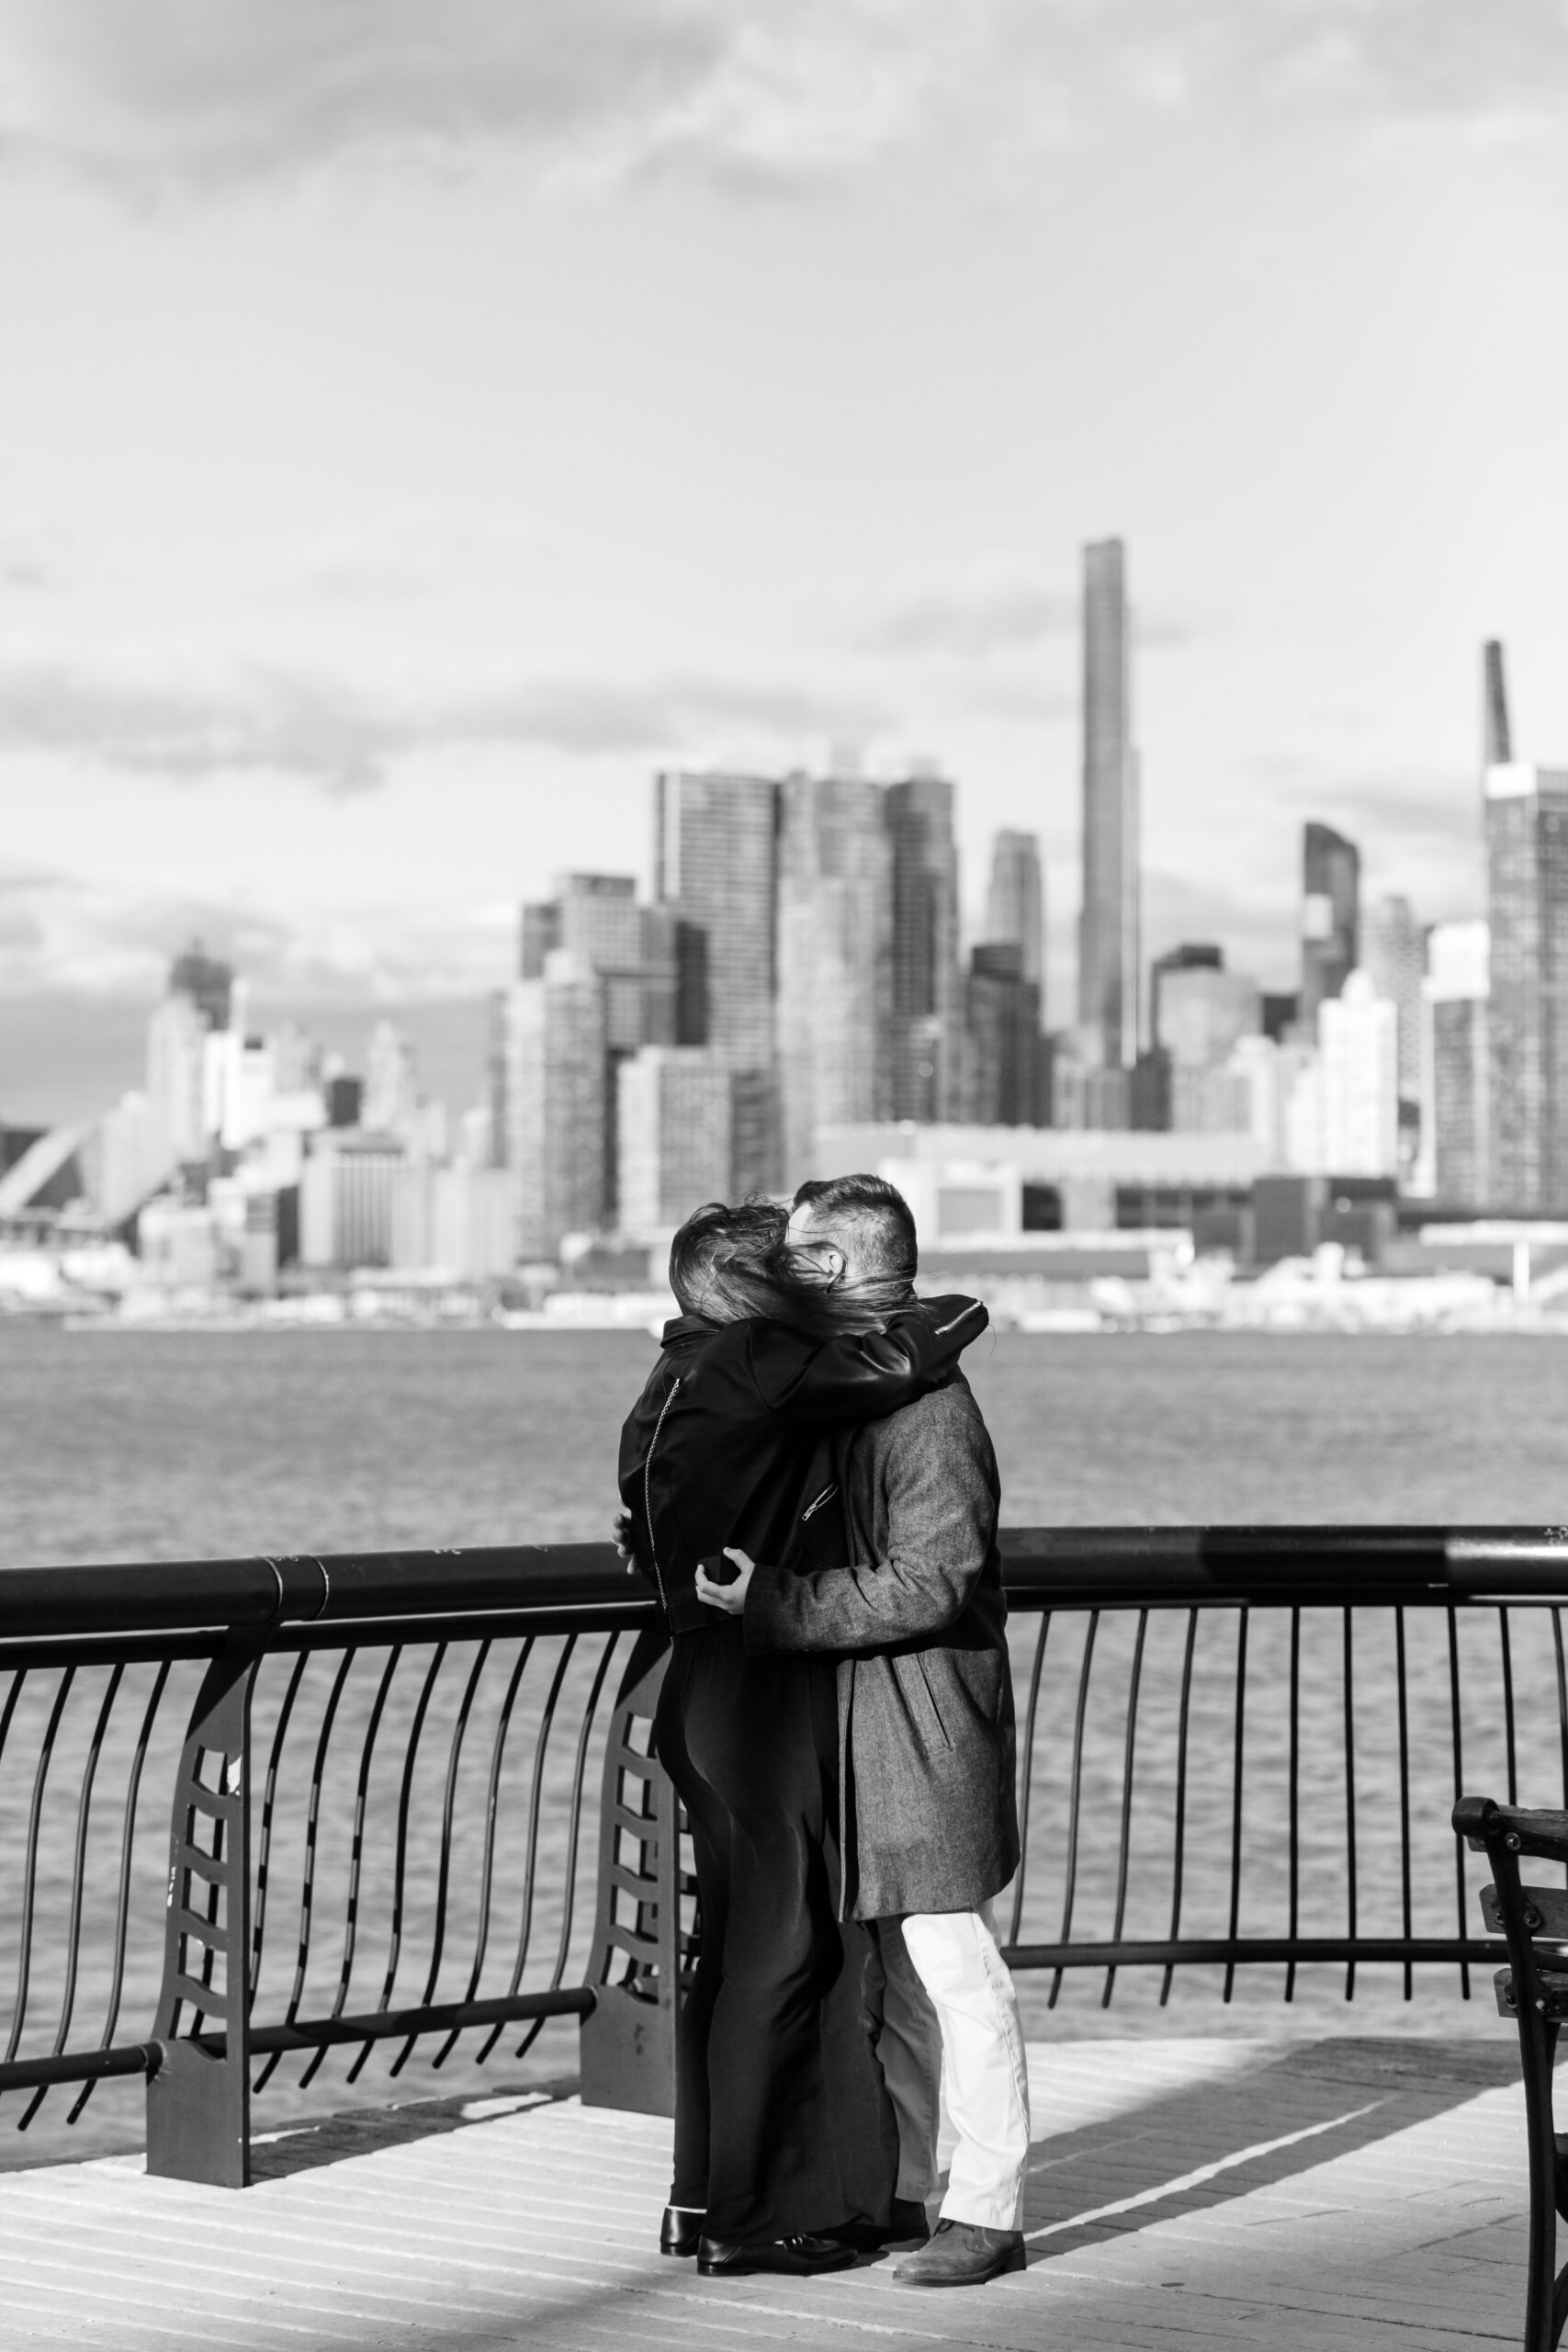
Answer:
[(926, 1735)]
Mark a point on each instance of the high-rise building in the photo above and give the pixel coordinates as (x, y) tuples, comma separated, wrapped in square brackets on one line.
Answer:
[(715, 872), (1331, 886), (176, 1074), (1015, 903), (1456, 1159), (1109, 951), (1393, 955), (677, 1136), (206, 980), (1200, 1009), (927, 1019), (1526, 871), (390, 1099), (1358, 1031), (835, 960), (346, 1190), (1002, 1060), (548, 1069)]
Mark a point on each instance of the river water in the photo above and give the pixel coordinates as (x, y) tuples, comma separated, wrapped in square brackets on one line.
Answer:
[(120, 1446)]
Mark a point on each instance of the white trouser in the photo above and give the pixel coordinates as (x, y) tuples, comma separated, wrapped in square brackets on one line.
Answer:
[(948, 1962)]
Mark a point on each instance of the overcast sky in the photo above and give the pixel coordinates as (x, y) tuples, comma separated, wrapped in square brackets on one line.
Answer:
[(419, 419)]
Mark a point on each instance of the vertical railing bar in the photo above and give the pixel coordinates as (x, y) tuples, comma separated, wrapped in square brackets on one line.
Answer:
[(355, 1853), (1237, 1788), (79, 1870), (1562, 1697), (1295, 1826), (269, 1799), (443, 1866), (487, 1867), (1075, 1795), (308, 1871), (1349, 1797), (1127, 1763), (1178, 1843), (1457, 1721), (29, 1884), (568, 1902), (1406, 1914), (525, 1930), (122, 1911), (1507, 1649), (1026, 1777), (395, 1947)]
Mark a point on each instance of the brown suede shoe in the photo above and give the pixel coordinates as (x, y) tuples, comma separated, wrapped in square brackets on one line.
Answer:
[(962, 2254)]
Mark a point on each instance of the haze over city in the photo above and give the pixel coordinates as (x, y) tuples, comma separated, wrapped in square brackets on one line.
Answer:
[(398, 465)]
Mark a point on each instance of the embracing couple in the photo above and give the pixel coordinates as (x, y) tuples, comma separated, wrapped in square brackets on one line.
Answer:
[(808, 1484)]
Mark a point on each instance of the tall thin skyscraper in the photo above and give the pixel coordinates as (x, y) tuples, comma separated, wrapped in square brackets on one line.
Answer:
[(715, 869), (1527, 889), (927, 1018), (1497, 735), (1331, 917), (549, 1096), (1109, 1018), (1015, 903), (1393, 955), (835, 960)]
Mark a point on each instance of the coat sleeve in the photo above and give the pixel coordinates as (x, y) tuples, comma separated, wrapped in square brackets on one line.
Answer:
[(941, 1493), (803, 1383)]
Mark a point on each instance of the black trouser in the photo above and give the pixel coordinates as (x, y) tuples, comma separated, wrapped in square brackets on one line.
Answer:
[(781, 2123)]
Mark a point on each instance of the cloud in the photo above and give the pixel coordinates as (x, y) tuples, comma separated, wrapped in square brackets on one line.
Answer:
[(164, 95), (342, 740), (979, 620)]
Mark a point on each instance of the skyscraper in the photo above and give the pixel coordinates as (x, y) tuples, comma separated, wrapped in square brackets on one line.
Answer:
[(835, 959), (1393, 955), (1456, 1090), (1003, 1064), (1526, 878), (1360, 1032), (549, 1077), (676, 1121), (1109, 926), (716, 871), (1015, 903), (1331, 886), (926, 1033)]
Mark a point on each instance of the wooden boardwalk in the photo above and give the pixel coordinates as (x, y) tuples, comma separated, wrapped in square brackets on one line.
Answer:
[(1182, 2194)]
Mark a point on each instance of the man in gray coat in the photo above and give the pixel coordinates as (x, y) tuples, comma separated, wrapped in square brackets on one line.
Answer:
[(929, 1832)]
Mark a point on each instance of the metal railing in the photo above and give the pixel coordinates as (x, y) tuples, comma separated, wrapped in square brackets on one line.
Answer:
[(1238, 1747)]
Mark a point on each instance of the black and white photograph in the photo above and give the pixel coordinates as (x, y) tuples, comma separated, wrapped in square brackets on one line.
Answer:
[(783, 1174)]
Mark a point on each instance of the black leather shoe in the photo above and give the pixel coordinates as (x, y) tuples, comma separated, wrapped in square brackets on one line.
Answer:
[(796, 2258), (680, 2230)]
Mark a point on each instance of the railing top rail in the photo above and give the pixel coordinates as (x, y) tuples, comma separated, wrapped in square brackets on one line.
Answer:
[(1043, 1567)]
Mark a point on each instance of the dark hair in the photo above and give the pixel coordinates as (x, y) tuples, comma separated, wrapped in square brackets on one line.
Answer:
[(871, 1214), (723, 1264)]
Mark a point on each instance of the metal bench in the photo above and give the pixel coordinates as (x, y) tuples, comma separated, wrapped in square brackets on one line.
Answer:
[(1533, 1991)]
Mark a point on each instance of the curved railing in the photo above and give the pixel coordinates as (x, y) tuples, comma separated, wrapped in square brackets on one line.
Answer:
[(260, 1807)]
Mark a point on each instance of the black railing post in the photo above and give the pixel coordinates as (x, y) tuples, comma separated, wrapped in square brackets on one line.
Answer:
[(198, 2097), (636, 1960)]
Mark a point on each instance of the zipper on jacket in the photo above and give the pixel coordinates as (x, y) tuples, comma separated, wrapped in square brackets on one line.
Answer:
[(647, 1491), (813, 1508)]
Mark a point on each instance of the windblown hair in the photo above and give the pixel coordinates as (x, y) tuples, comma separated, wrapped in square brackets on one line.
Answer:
[(868, 1215), (723, 1265)]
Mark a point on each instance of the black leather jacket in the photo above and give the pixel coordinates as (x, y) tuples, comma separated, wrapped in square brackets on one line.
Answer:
[(719, 1446)]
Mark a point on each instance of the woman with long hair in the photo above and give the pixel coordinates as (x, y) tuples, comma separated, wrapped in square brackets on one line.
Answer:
[(785, 2148)]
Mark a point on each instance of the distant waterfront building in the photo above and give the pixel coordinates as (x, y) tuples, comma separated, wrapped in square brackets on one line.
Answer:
[(206, 980), (1526, 865), (1359, 1033), (715, 872), (176, 1074), (1015, 903), (1456, 1079), (456, 1221), (1003, 1038), (547, 1061), (1202, 1010), (835, 960), (345, 1199), (1331, 890), (1393, 955), (676, 1122), (1108, 950), (927, 1018), (391, 1089)]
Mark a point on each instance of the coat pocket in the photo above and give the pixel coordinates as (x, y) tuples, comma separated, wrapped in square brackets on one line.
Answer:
[(931, 1700)]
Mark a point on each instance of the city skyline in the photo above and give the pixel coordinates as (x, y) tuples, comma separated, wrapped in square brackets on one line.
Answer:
[(386, 490)]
